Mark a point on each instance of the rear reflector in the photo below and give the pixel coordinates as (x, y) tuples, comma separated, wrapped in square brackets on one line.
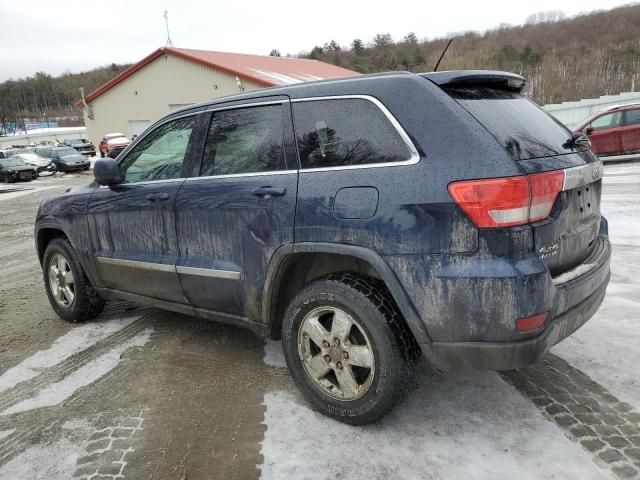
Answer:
[(509, 201), (526, 324)]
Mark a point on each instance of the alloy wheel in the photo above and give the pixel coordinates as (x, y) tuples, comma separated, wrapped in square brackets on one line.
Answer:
[(336, 353), (61, 281)]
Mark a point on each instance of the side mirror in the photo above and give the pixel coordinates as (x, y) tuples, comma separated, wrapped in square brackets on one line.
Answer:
[(107, 172), (588, 130)]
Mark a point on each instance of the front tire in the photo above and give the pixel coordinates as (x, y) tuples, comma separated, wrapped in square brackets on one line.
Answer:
[(348, 348), (70, 293)]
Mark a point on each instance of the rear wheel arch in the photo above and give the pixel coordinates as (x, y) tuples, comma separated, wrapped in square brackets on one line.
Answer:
[(296, 265)]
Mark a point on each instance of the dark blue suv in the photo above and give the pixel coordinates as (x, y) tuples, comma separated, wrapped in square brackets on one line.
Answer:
[(365, 221)]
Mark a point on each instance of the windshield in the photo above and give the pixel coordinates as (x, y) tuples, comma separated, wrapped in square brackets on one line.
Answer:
[(77, 140), (524, 129), (12, 162), (65, 152)]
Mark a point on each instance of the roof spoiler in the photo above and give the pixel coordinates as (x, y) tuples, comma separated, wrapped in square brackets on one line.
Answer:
[(507, 80)]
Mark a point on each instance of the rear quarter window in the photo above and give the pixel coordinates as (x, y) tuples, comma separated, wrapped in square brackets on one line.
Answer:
[(524, 129), (346, 132)]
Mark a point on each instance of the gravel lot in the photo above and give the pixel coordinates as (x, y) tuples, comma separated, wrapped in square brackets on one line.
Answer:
[(143, 394)]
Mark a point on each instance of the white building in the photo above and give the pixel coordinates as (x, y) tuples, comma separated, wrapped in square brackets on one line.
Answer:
[(170, 78)]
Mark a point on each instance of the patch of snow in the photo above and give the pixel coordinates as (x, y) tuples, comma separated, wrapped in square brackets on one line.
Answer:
[(25, 191), (273, 355), (52, 462), (575, 273), (6, 433), (452, 426), (56, 393), (77, 340)]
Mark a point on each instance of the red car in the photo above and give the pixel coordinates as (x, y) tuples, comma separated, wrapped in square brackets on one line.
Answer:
[(614, 131), (112, 141)]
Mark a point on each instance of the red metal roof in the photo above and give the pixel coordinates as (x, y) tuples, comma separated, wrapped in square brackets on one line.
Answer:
[(263, 70)]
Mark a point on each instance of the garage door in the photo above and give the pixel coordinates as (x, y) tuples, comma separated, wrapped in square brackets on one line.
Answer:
[(136, 127)]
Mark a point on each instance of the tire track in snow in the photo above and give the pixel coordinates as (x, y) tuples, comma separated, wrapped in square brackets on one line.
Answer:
[(18, 440)]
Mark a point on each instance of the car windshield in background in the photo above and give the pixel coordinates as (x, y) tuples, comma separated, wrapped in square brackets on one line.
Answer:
[(12, 162), (66, 152), (524, 129)]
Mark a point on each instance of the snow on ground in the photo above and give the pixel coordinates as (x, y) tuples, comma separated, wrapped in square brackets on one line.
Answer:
[(52, 461), (75, 341), (452, 426), (56, 461), (607, 348), (58, 392)]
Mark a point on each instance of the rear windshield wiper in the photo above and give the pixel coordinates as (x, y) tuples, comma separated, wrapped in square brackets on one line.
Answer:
[(578, 139)]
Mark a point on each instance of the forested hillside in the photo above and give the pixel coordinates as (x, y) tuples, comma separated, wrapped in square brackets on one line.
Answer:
[(563, 58), (30, 98)]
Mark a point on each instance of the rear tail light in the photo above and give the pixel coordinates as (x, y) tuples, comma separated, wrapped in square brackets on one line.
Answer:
[(510, 201), (527, 324)]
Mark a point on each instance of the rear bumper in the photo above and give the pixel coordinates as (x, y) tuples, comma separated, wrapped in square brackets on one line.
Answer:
[(512, 355), (470, 308)]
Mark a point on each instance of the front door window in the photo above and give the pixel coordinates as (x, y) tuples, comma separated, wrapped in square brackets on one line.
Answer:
[(161, 154)]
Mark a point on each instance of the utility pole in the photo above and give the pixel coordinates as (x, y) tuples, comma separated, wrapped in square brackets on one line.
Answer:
[(166, 21)]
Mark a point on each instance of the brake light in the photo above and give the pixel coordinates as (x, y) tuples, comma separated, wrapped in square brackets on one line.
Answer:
[(534, 322), (509, 201)]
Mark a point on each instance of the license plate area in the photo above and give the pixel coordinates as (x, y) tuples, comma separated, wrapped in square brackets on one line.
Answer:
[(25, 175)]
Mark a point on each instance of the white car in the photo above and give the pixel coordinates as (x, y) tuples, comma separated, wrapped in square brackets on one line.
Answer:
[(44, 165)]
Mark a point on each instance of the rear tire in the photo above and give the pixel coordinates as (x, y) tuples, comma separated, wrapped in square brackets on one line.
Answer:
[(70, 293), (377, 350)]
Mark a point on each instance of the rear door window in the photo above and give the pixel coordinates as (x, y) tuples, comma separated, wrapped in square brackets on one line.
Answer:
[(524, 129), (244, 140), (345, 132), (611, 120), (632, 117)]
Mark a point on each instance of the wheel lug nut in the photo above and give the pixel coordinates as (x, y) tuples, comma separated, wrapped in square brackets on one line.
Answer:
[(325, 344), (345, 355), (339, 365), (336, 341), (327, 358)]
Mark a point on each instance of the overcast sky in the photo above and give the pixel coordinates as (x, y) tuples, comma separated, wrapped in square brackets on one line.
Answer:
[(74, 35)]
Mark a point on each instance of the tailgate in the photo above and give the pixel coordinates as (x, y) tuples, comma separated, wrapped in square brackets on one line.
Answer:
[(538, 143), (568, 235)]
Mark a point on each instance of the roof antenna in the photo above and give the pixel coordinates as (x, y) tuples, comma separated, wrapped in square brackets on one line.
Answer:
[(166, 21), (435, 69)]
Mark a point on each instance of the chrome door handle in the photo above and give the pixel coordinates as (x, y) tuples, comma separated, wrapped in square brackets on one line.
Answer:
[(268, 192)]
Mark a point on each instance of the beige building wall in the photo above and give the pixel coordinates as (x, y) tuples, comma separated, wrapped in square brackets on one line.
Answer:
[(165, 84)]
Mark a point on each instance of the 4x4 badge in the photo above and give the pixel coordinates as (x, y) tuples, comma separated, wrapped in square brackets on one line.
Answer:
[(549, 251)]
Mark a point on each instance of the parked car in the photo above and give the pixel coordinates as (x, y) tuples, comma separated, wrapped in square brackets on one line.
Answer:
[(66, 159), (365, 222), (44, 166), (614, 131), (14, 169), (7, 152), (111, 141), (81, 145)]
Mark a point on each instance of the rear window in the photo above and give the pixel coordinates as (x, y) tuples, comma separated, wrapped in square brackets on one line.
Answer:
[(524, 129)]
